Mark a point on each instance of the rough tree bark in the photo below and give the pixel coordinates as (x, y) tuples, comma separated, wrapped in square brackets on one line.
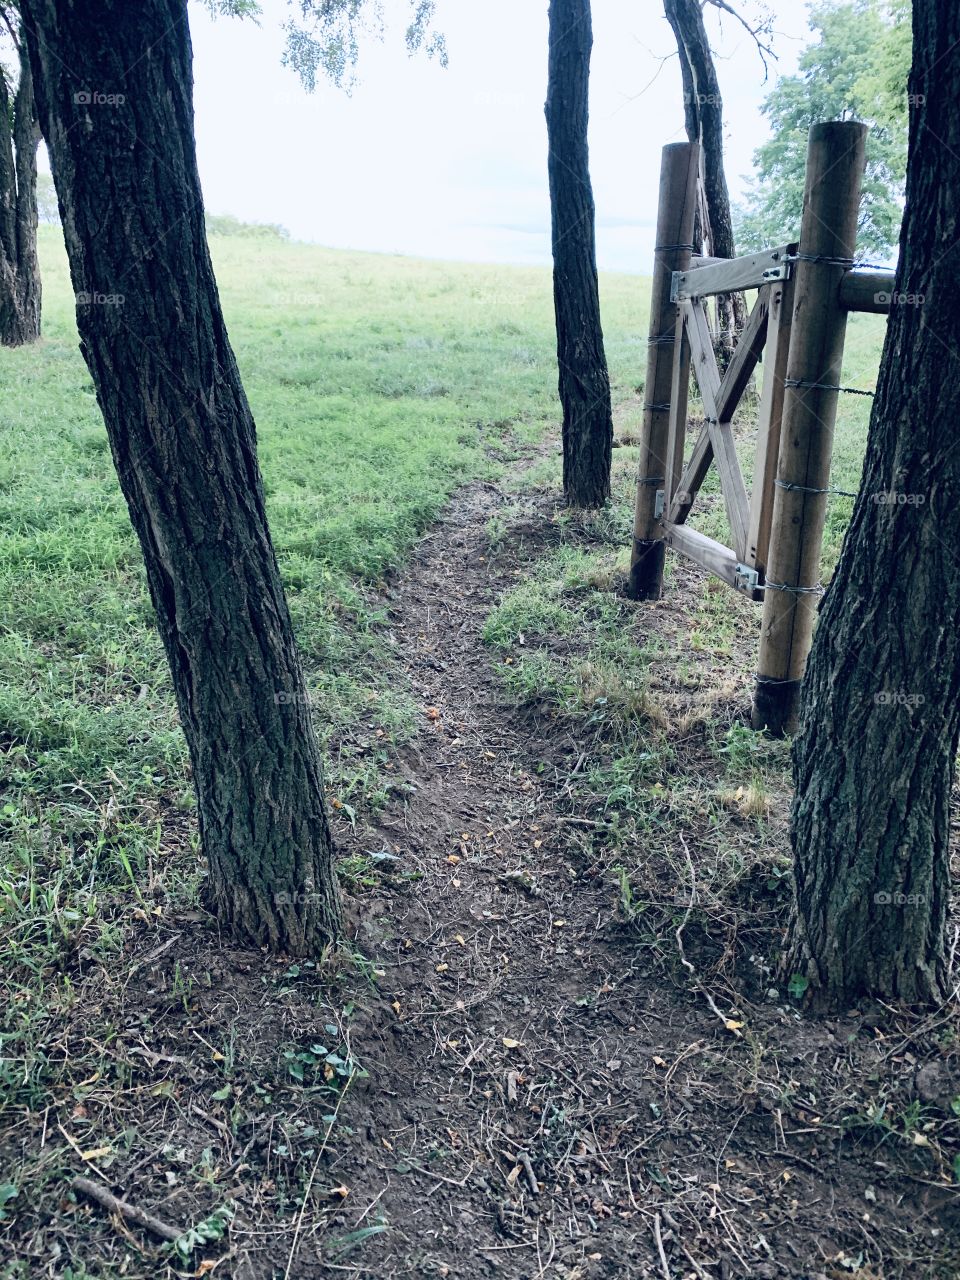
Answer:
[(114, 87), (703, 119), (19, 140), (584, 382), (876, 748)]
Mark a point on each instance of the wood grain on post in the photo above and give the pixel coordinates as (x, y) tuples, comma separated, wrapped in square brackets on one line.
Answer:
[(828, 234), (868, 291), (678, 203), (769, 419)]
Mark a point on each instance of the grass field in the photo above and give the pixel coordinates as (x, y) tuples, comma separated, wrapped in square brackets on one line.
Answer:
[(379, 385)]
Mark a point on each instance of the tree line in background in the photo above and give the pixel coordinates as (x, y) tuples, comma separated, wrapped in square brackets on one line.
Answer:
[(184, 443), (857, 69)]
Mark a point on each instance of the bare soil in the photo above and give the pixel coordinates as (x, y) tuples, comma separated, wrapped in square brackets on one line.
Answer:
[(553, 1089)]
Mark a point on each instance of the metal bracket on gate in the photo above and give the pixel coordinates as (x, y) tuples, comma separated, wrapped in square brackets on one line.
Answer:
[(746, 578), (659, 499), (730, 275)]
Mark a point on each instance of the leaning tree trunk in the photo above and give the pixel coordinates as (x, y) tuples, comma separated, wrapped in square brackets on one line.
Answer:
[(19, 266), (880, 715), (703, 118), (114, 84), (584, 381)]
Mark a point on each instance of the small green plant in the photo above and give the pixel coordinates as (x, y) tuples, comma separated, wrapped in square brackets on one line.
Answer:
[(629, 906), (319, 1066), (209, 1231)]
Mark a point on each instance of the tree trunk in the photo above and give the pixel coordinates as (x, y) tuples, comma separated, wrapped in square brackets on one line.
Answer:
[(584, 381), (703, 118), (880, 717), (114, 86), (19, 266)]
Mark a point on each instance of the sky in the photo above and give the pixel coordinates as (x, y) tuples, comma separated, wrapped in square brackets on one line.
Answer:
[(451, 163)]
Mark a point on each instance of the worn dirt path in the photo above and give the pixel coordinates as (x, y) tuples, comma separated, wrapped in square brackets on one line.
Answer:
[(552, 1098), (550, 1091)]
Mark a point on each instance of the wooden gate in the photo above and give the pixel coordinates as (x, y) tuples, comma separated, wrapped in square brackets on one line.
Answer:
[(796, 329)]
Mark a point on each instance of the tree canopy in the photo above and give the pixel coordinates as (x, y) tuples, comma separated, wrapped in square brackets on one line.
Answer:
[(324, 39), (856, 69)]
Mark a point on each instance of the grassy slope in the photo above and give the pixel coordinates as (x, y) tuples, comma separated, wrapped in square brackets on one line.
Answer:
[(379, 384)]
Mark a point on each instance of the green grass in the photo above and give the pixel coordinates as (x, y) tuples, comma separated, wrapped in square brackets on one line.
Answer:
[(379, 384), (659, 709)]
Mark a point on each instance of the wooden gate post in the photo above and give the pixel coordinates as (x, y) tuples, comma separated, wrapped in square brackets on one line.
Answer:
[(679, 171), (828, 237)]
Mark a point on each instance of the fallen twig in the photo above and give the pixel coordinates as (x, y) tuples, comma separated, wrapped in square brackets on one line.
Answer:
[(659, 1239), (524, 1159), (93, 1191)]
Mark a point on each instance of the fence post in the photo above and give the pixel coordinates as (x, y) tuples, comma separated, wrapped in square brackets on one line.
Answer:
[(679, 170), (828, 237)]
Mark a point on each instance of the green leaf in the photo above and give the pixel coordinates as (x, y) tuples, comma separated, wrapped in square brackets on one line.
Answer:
[(8, 1192), (797, 986)]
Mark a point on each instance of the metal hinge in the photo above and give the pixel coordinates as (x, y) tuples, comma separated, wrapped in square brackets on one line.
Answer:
[(658, 503), (746, 579)]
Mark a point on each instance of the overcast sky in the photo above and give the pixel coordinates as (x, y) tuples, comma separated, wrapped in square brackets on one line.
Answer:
[(452, 163)]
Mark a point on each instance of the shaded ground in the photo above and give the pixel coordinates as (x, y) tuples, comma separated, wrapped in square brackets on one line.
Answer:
[(563, 1078)]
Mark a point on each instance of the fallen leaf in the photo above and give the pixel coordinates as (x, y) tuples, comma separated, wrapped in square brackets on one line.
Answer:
[(453, 858), (442, 968), (732, 1025), (511, 1044), (432, 713)]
